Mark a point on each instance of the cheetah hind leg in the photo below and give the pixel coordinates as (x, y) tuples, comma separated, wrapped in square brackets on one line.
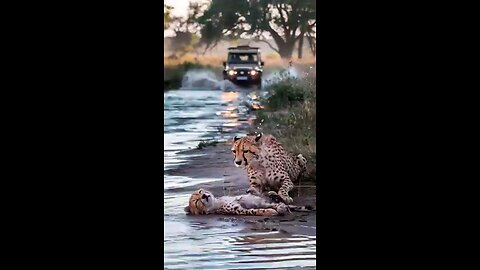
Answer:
[(232, 209), (277, 199), (306, 208), (258, 212), (283, 208)]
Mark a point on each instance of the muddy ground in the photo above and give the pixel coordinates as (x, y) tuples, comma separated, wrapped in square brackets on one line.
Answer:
[(217, 162)]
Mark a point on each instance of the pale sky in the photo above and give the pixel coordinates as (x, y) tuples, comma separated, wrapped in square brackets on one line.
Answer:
[(180, 7)]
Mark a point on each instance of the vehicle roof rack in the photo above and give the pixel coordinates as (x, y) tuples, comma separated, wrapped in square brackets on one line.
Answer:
[(243, 47)]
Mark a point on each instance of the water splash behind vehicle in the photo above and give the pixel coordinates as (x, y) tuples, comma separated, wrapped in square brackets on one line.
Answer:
[(204, 80)]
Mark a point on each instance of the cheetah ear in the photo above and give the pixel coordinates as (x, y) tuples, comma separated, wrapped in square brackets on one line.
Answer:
[(187, 209), (235, 139), (258, 137)]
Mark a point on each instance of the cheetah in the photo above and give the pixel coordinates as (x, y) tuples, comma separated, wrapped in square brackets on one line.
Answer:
[(269, 167), (203, 202)]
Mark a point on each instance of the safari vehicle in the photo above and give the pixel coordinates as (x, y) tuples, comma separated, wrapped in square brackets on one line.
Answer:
[(243, 65)]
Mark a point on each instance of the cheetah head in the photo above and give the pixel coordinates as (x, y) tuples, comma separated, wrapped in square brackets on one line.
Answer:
[(245, 149), (200, 202)]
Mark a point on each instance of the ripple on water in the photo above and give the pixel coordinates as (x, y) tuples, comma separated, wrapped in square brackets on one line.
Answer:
[(260, 251), (174, 182)]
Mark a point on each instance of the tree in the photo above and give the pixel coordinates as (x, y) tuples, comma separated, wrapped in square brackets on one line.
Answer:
[(310, 35), (185, 39), (167, 17), (286, 21), (312, 41)]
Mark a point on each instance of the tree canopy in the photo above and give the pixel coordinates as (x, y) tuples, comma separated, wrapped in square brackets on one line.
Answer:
[(185, 29), (286, 21)]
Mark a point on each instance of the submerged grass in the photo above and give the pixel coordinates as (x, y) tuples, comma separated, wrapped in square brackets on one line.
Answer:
[(290, 116), (204, 144)]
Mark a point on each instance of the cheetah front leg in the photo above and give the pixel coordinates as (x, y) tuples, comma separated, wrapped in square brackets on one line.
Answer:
[(255, 180), (235, 209), (283, 191)]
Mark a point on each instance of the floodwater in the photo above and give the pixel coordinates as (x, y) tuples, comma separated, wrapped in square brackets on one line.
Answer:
[(214, 242)]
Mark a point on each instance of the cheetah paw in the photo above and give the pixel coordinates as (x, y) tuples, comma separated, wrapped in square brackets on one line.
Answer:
[(283, 209), (274, 196), (272, 193), (252, 191), (286, 199)]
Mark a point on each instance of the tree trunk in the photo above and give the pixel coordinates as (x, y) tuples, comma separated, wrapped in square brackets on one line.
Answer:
[(300, 47), (312, 44), (286, 50)]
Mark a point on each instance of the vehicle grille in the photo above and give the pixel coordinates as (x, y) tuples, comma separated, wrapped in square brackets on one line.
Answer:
[(244, 70)]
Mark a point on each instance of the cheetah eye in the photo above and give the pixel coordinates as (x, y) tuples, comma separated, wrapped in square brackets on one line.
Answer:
[(246, 151)]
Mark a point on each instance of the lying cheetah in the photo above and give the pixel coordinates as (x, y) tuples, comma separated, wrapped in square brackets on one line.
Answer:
[(202, 202), (269, 167)]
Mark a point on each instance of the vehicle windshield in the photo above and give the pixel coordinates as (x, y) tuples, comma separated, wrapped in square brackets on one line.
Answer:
[(239, 58)]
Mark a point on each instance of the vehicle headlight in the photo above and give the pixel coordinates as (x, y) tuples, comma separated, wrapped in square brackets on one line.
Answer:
[(253, 72), (231, 72)]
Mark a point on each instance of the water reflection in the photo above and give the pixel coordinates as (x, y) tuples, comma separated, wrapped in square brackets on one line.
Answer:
[(219, 245), (232, 111), (232, 123), (230, 96)]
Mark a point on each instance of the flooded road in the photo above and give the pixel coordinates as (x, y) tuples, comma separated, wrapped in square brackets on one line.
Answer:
[(214, 242)]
